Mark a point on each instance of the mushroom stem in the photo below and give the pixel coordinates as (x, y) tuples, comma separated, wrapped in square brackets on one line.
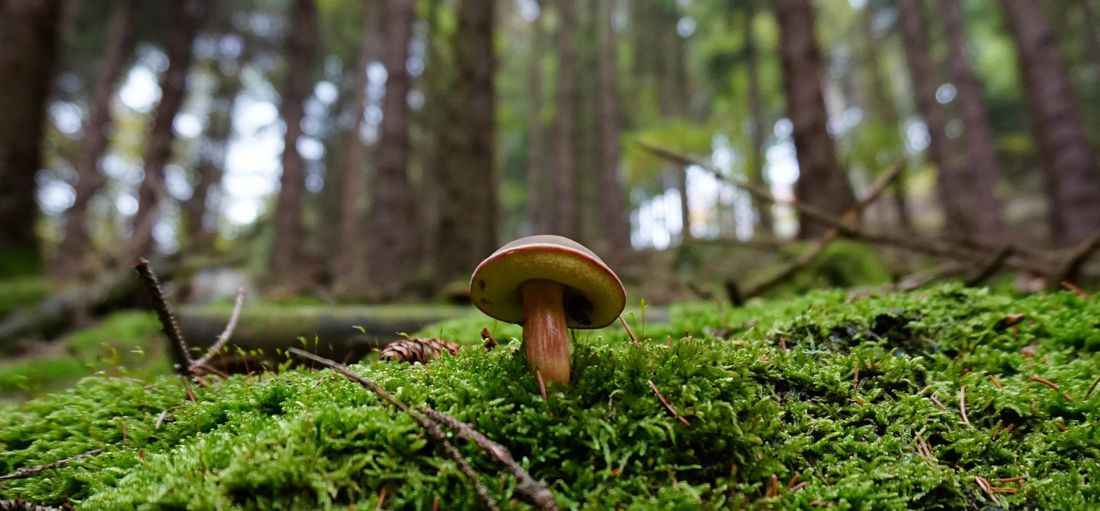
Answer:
[(545, 333)]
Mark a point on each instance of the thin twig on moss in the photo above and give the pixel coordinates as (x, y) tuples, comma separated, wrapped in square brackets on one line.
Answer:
[(164, 314), (1092, 387), (1070, 286), (31, 471), (430, 426), (630, 333), (962, 405), (225, 335), (1052, 385), (984, 485), (668, 406), (535, 492)]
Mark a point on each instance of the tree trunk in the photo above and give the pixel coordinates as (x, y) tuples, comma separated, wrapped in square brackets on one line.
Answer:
[(613, 209), (564, 220), (1070, 166), (885, 106), (28, 45), (948, 189), (978, 176), (158, 145), (212, 160), (821, 182), (538, 203), (347, 267), (391, 213), (287, 255), (476, 64), (759, 123), (76, 245)]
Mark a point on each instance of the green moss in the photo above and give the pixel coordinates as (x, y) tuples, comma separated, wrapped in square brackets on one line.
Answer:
[(843, 264), (126, 343), (839, 418)]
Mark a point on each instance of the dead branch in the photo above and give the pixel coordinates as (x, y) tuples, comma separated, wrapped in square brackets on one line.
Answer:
[(991, 266), (430, 426), (668, 406), (537, 493), (907, 241), (1052, 385), (1076, 257), (225, 335), (164, 314), (851, 218), (31, 471)]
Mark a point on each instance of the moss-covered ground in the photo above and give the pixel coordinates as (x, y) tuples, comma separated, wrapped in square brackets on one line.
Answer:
[(933, 399)]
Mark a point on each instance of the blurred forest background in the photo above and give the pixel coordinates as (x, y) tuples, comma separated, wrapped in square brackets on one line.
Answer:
[(377, 150)]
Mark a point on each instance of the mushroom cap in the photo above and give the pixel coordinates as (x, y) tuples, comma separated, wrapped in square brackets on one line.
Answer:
[(593, 294)]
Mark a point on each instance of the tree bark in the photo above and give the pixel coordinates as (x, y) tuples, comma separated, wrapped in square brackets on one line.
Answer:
[(477, 64), (948, 187), (347, 262), (287, 255), (759, 122), (538, 203), (821, 182), (1069, 163), (391, 213), (564, 220), (979, 174), (28, 46), (613, 208), (158, 145), (76, 244), (212, 160)]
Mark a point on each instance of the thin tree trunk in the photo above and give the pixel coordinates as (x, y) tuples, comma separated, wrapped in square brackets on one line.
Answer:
[(477, 64), (538, 216), (885, 105), (613, 208), (28, 46), (287, 255), (76, 245), (347, 262), (820, 183), (212, 161), (564, 221), (391, 213), (158, 144), (915, 36), (979, 174), (1069, 163), (759, 123)]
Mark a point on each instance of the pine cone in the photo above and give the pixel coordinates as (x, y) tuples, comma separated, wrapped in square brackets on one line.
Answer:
[(418, 350)]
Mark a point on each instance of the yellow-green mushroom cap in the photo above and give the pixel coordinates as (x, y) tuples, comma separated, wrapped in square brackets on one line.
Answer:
[(593, 295)]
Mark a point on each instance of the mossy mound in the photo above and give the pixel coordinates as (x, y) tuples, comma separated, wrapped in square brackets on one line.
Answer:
[(828, 400)]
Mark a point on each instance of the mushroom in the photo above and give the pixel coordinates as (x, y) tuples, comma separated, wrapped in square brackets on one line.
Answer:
[(547, 284)]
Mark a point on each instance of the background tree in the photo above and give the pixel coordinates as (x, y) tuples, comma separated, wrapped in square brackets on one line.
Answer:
[(564, 220), (820, 181), (28, 42), (1069, 162), (614, 218)]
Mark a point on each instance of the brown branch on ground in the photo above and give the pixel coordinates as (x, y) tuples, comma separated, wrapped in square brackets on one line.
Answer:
[(994, 263), (1092, 387), (668, 406), (1076, 258), (537, 493), (1052, 385), (164, 314), (429, 425), (962, 405), (851, 218), (201, 364), (984, 485), (1070, 286), (31, 471), (906, 241)]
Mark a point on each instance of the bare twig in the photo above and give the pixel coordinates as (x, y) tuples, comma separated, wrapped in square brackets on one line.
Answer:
[(1070, 286), (1092, 387), (537, 493), (668, 406), (31, 471), (906, 241), (225, 335), (984, 485), (430, 426), (962, 405), (1077, 256), (164, 314), (990, 267), (630, 333), (1052, 385), (851, 218)]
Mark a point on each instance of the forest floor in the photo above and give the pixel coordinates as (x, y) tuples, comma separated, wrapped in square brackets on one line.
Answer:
[(946, 397)]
